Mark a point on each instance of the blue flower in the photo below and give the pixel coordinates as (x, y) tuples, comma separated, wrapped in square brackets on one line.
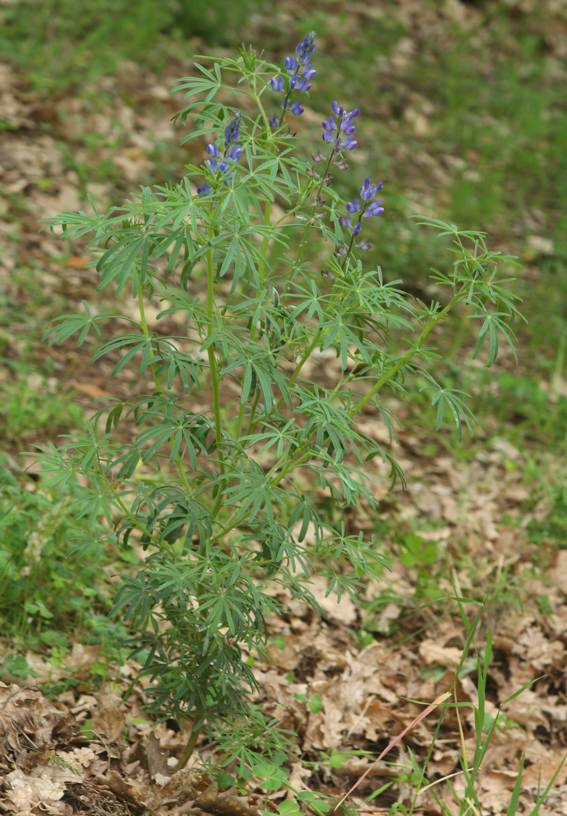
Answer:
[(366, 207), (374, 208), (234, 153), (306, 48), (290, 64), (299, 73), (368, 190), (221, 161), (232, 130), (340, 128)]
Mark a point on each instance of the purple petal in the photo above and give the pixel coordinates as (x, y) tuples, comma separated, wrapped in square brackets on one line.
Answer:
[(349, 144), (235, 153), (368, 190), (375, 208)]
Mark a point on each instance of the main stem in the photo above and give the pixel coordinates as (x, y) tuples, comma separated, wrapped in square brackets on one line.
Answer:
[(254, 330), (213, 360), (187, 752)]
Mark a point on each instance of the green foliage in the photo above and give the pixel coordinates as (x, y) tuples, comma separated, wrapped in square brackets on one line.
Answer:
[(51, 557), (205, 462), (60, 43), (29, 409), (215, 20)]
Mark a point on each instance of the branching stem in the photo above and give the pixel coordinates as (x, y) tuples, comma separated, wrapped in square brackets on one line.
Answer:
[(281, 469)]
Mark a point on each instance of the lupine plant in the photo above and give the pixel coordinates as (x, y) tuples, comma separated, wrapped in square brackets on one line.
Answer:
[(236, 451)]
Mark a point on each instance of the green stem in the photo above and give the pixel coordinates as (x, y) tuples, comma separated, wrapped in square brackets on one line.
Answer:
[(253, 412), (212, 357), (404, 359), (258, 101), (147, 334), (265, 243), (187, 752), (305, 356), (254, 330)]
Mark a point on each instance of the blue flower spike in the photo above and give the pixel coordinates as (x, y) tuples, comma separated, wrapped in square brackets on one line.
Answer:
[(366, 207), (221, 161), (339, 128), (297, 78)]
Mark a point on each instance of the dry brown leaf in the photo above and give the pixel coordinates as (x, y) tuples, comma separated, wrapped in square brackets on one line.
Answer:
[(108, 715), (341, 611), (435, 654)]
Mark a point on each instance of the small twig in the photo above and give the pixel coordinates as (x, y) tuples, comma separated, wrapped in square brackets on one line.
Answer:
[(361, 715), (392, 744), (443, 779)]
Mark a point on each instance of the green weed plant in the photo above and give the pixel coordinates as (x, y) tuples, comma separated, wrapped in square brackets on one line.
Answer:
[(234, 459)]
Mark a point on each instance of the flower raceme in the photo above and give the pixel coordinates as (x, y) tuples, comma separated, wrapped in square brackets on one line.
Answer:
[(339, 129), (299, 72), (367, 207), (220, 161)]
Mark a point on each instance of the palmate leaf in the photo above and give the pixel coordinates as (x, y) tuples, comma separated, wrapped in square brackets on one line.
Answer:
[(341, 332), (64, 327), (310, 300), (251, 491), (135, 343), (279, 437), (306, 516), (260, 371), (201, 89), (122, 261), (495, 327), (449, 403), (182, 433)]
